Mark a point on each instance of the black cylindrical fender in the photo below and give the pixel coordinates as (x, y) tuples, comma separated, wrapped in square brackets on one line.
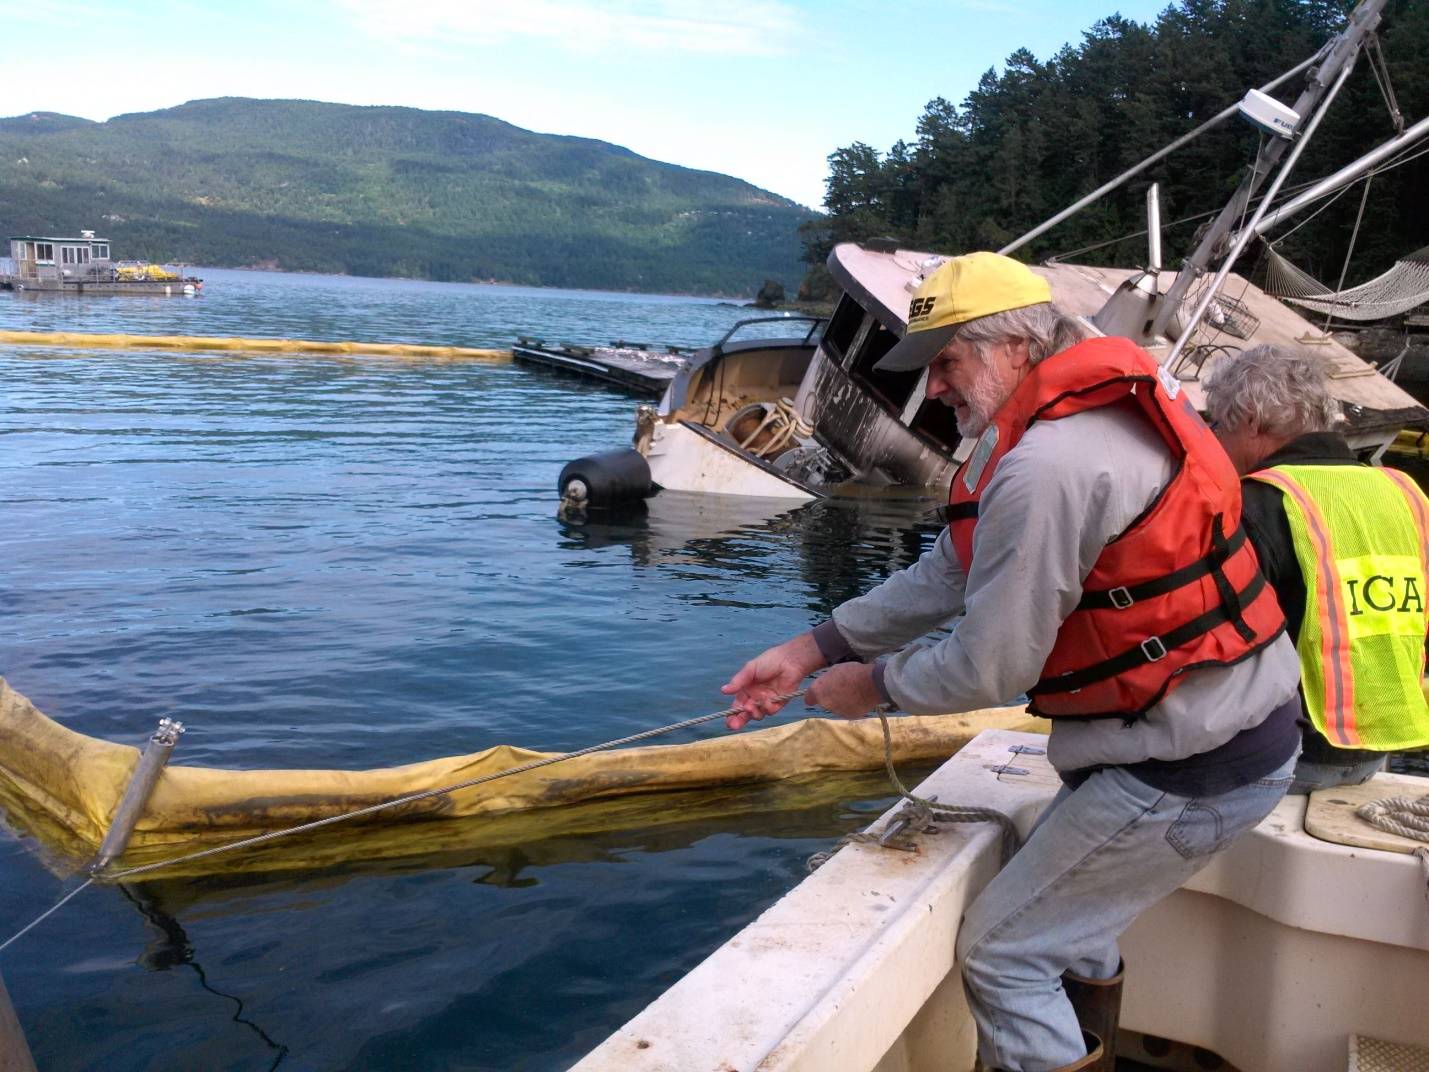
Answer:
[(614, 476)]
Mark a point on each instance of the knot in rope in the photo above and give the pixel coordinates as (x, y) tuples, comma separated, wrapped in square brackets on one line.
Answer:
[(920, 815)]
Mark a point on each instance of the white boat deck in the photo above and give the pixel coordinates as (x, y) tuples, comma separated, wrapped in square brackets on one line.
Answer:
[(1272, 957)]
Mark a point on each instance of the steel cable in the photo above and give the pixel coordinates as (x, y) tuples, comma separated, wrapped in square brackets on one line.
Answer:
[(274, 835)]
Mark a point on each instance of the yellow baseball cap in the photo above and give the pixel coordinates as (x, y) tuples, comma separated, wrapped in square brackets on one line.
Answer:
[(958, 290)]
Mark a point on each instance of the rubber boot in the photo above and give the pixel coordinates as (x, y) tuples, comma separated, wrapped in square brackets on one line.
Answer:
[(1095, 1054), (1096, 1059), (1097, 1003)]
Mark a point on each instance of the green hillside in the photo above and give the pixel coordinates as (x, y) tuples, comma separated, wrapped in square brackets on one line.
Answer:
[(307, 186)]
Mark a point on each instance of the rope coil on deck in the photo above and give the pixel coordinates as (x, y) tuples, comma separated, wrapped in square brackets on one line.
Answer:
[(1405, 818), (1399, 815)]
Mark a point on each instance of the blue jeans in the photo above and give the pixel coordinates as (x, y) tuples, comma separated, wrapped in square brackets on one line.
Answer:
[(1098, 857), (1312, 776)]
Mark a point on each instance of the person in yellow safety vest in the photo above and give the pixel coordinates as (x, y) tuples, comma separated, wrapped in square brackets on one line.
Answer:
[(1344, 546)]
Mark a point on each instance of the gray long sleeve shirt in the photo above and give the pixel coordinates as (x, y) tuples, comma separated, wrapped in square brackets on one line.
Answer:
[(1057, 498)]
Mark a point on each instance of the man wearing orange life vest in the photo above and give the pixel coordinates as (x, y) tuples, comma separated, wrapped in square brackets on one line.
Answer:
[(1096, 558), (1343, 544)]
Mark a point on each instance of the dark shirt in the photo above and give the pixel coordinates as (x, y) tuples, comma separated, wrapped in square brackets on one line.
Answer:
[(1247, 757), (1269, 531)]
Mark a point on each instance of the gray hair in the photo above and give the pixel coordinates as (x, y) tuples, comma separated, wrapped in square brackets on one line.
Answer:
[(1046, 328), (1280, 391)]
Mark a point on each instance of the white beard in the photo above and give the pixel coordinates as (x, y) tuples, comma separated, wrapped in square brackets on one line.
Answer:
[(984, 398)]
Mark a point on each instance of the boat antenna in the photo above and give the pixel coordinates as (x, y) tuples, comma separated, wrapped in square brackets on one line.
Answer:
[(1153, 228)]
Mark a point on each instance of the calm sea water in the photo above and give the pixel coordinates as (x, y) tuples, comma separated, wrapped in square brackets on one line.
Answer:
[(321, 562)]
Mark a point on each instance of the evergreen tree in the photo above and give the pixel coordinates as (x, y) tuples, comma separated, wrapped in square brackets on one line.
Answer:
[(1034, 136)]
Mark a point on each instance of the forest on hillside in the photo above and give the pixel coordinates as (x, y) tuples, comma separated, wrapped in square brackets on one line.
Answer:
[(1036, 135), (309, 186)]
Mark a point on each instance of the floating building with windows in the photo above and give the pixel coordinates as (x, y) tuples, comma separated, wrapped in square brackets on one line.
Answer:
[(82, 265)]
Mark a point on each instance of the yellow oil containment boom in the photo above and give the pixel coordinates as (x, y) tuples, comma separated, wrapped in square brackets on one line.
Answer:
[(196, 343), (63, 788)]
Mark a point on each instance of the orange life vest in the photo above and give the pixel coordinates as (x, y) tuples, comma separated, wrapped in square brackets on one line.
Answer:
[(1178, 590)]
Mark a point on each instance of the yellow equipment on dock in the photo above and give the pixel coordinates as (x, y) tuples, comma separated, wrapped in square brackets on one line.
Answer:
[(81, 341), (1411, 444), (154, 272)]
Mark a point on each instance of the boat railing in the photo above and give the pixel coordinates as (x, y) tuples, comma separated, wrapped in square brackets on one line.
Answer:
[(814, 322)]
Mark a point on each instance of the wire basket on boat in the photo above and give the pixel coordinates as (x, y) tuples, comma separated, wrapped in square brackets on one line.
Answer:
[(1232, 316)]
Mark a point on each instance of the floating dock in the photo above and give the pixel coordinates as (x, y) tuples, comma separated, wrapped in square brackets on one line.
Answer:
[(53, 264), (637, 367), (187, 286)]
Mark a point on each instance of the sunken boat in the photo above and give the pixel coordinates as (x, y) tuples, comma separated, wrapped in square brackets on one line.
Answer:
[(802, 419), (819, 419)]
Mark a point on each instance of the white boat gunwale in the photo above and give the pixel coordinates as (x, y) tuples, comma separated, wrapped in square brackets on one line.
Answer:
[(854, 968), (719, 440)]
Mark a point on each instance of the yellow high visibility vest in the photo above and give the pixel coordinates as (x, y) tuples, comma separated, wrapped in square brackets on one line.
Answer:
[(1362, 540)]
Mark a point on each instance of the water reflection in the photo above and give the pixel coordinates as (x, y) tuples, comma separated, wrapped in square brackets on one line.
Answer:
[(841, 547), (171, 948)]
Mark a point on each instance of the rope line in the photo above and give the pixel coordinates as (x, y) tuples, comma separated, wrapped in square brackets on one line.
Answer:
[(1350, 249), (274, 835), (44, 915), (426, 794), (920, 815), (1399, 159), (1330, 201), (1380, 67)]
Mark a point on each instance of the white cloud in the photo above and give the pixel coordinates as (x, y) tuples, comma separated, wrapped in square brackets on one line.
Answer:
[(732, 27)]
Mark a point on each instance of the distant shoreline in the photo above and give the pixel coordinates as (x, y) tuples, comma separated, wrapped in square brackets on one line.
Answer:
[(801, 308)]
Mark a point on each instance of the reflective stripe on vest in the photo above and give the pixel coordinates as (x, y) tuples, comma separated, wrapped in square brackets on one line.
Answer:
[(1420, 506), (1359, 536)]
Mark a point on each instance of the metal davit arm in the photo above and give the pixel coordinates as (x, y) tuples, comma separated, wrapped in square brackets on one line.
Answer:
[(1340, 56), (1160, 154), (1343, 177), (1239, 243)]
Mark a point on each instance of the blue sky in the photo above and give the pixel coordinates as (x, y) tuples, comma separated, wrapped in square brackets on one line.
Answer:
[(761, 89)]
